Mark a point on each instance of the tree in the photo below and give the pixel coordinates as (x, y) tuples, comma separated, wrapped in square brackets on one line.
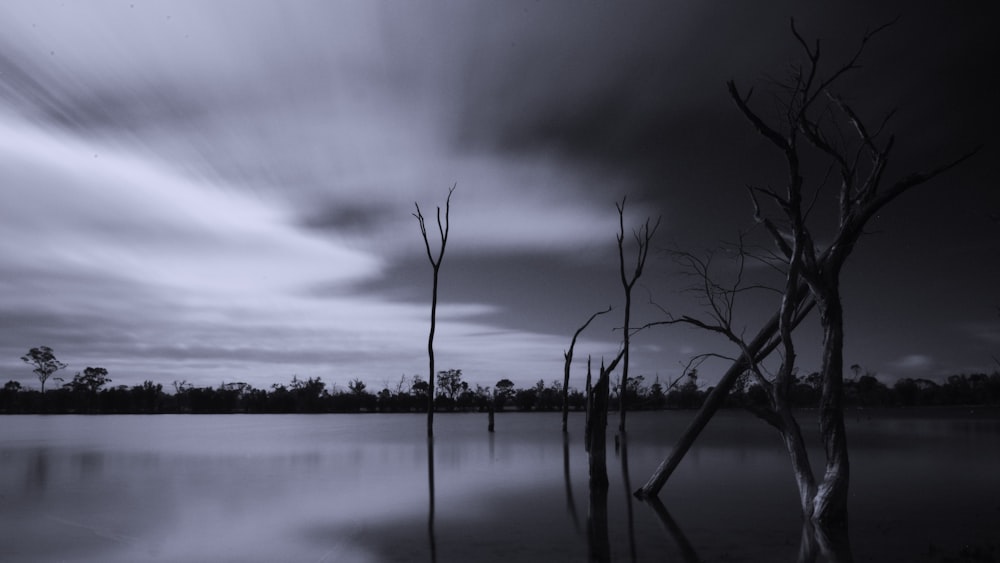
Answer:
[(90, 381), (643, 237), (568, 357), (44, 362), (815, 125), (503, 391), (450, 383), (436, 266), (356, 386)]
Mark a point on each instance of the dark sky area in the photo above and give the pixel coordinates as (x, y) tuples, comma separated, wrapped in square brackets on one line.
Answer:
[(222, 191)]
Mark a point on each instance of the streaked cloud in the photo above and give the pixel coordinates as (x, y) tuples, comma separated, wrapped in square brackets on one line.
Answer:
[(220, 191)]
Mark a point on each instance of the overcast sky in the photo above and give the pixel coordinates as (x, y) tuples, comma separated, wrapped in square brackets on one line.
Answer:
[(222, 191)]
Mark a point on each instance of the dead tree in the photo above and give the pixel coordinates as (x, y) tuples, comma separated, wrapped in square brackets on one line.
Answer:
[(811, 127), (597, 424), (587, 407), (568, 357), (643, 237), (436, 265), (720, 303)]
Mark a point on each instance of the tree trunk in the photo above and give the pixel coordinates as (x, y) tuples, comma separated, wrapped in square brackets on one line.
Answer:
[(597, 519), (565, 390), (597, 430), (831, 496), (791, 436), (588, 407), (757, 347), (622, 393), (430, 357)]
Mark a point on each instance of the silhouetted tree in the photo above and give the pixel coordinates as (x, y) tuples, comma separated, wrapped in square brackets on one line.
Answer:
[(87, 384), (643, 239), (356, 386), (568, 357), (436, 265), (44, 362), (503, 392), (450, 384), (90, 381)]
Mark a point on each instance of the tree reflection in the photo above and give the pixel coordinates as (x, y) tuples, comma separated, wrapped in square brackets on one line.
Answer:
[(570, 503), (430, 495), (38, 471), (832, 544), (621, 441), (599, 546), (670, 525)]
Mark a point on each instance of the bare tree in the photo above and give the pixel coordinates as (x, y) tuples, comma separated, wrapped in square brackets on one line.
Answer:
[(643, 237), (812, 127), (436, 265), (44, 362), (720, 301), (861, 162), (568, 357), (597, 424)]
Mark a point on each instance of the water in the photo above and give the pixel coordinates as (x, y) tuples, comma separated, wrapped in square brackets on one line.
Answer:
[(357, 488)]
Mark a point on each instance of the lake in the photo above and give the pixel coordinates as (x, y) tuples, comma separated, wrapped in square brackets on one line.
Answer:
[(358, 488)]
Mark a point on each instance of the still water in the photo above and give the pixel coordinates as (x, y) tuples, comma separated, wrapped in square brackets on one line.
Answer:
[(360, 488)]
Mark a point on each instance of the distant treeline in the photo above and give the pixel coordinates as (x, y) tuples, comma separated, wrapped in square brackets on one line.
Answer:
[(453, 394)]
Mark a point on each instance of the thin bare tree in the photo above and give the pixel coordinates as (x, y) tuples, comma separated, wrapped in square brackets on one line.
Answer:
[(643, 239), (568, 357), (443, 228)]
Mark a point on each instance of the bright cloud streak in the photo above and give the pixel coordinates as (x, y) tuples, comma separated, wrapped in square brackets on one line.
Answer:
[(216, 275)]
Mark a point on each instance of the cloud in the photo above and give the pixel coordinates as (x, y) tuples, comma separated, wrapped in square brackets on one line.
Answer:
[(223, 187)]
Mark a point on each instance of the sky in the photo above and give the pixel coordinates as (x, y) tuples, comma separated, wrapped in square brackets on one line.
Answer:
[(223, 191)]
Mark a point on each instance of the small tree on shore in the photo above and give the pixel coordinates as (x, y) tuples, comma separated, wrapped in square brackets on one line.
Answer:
[(90, 381), (44, 362)]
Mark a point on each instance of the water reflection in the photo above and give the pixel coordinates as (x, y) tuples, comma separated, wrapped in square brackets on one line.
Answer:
[(37, 478), (673, 530), (598, 543), (830, 543), (430, 494), (570, 502), (352, 489), (621, 446)]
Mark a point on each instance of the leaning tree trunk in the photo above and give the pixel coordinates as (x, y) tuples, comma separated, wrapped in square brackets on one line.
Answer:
[(759, 348)]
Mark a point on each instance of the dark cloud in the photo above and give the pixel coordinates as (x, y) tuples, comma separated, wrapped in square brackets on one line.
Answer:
[(355, 218)]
